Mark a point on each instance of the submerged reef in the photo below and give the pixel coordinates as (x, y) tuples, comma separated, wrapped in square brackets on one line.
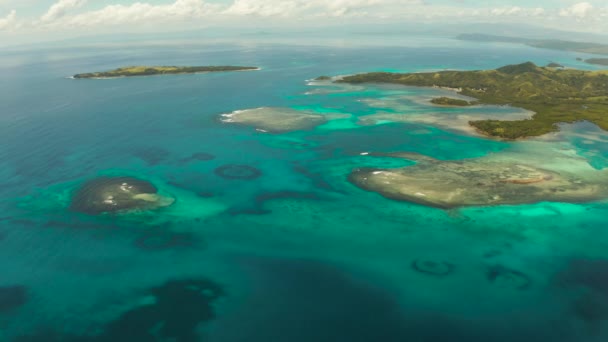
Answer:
[(589, 278), (12, 297), (117, 194), (275, 120), (160, 70), (198, 156), (508, 277), (477, 182), (152, 155), (431, 267), (243, 172), (555, 95), (176, 311)]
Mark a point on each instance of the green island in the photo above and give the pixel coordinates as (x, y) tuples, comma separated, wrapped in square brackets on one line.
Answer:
[(554, 95), (448, 101), (161, 70), (554, 65), (552, 44), (597, 61)]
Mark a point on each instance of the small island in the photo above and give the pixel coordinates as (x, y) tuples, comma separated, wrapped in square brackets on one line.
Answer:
[(485, 181), (448, 101), (161, 70), (597, 61), (554, 65), (554, 95)]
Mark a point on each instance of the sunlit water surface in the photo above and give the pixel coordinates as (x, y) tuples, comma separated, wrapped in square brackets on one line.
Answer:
[(299, 253)]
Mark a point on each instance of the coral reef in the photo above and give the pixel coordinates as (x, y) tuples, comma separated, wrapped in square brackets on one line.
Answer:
[(243, 172)]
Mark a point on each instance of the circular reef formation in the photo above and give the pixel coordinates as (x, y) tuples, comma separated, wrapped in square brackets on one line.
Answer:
[(117, 194), (435, 268), (238, 172)]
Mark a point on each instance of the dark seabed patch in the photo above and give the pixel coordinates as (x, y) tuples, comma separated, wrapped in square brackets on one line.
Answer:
[(161, 239), (179, 307), (258, 204), (303, 301), (508, 277), (299, 300), (590, 273), (243, 172), (316, 178), (432, 267), (152, 155), (199, 156), (12, 297), (588, 279)]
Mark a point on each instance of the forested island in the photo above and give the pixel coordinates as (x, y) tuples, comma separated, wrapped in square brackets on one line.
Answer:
[(554, 95), (161, 70), (448, 101)]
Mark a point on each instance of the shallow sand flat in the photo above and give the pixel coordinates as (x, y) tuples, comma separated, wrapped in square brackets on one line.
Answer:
[(483, 181), (454, 121), (276, 120)]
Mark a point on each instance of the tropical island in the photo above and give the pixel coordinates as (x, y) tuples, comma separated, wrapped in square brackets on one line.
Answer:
[(448, 101), (554, 95), (161, 70)]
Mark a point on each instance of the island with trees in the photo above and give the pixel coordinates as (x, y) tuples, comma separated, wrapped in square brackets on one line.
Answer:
[(448, 101), (162, 70), (554, 95)]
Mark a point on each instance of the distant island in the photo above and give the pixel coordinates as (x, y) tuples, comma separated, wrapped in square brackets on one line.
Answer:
[(553, 44), (448, 101), (160, 70), (597, 61), (555, 95)]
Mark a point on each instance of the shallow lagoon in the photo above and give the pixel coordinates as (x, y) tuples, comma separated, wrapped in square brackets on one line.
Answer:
[(298, 247)]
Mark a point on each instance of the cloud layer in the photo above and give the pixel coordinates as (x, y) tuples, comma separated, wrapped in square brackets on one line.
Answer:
[(70, 14)]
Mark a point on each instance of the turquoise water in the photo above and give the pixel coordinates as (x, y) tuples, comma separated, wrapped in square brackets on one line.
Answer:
[(298, 254)]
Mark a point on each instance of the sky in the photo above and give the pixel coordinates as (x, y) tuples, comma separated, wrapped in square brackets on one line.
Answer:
[(42, 19)]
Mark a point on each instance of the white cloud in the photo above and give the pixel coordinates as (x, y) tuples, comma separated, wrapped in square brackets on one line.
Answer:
[(318, 8), (138, 13), (516, 11), (61, 9), (192, 13), (580, 10), (9, 21)]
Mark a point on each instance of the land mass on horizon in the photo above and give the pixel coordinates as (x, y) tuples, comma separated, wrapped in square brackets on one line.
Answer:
[(554, 95), (162, 70), (552, 44)]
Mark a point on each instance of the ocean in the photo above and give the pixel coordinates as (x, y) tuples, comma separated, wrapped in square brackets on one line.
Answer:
[(296, 252)]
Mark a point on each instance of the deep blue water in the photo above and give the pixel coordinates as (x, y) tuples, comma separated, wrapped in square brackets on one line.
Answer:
[(298, 254)]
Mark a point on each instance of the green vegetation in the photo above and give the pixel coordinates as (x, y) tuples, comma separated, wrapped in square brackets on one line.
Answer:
[(160, 70), (598, 61), (555, 95), (553, 44), (323, 78), (448, 101), (554, 65)]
